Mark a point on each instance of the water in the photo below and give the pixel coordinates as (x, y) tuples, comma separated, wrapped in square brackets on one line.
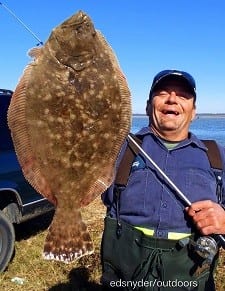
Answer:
[(203, 127)]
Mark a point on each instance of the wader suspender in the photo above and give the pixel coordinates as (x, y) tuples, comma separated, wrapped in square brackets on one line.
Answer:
[(215, 160), (122, 175), (131, 151), (126, 162)]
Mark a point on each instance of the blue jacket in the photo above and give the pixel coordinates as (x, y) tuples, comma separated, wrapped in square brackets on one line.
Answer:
[(148, 201)]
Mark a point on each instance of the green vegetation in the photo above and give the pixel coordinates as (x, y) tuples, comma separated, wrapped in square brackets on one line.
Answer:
[(38, 274)]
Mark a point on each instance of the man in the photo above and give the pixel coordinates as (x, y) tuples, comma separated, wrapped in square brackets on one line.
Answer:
[(150, 240)]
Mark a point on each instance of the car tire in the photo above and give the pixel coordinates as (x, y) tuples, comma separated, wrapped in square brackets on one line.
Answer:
[(7, 241)]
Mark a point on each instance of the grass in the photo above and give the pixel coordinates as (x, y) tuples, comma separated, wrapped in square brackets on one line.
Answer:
[(84, 275), (39, 274)]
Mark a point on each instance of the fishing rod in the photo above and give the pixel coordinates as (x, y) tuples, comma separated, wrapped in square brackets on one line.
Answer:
[(22, 23), (206, 246)]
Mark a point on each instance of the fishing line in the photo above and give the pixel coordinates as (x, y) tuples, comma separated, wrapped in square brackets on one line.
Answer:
[(22, 23)]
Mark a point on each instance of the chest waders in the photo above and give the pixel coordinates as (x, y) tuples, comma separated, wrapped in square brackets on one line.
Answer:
[(133, 261)]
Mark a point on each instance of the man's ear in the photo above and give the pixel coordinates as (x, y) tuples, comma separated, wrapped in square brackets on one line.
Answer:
[(193, 114)]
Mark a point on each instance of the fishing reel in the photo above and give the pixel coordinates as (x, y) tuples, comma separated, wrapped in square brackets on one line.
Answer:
[(205, 246)]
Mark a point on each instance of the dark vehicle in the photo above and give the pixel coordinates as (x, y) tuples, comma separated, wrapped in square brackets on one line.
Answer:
[(18, 200)]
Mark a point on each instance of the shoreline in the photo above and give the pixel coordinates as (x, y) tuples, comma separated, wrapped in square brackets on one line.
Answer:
[(198, 115)]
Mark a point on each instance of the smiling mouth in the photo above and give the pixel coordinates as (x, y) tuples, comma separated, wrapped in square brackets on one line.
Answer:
[(170, 112)]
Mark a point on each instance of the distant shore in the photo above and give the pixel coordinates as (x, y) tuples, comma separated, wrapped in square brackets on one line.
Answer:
[(210, 115), (198, 115)]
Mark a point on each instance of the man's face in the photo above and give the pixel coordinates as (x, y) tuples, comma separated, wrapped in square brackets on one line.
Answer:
[(171, 110)]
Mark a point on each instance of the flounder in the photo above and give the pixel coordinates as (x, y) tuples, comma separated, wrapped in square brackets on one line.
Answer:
[(69, 116)]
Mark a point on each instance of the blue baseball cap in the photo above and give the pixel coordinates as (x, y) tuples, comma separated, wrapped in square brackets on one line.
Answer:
[(190, 81)]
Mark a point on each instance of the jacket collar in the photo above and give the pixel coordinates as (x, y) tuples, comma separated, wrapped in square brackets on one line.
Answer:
[(192, 138)]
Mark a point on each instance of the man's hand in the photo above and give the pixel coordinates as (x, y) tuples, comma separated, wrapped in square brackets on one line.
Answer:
[(208, 216)]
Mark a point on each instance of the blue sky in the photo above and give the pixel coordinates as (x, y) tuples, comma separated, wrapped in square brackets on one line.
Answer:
[(147, 36)]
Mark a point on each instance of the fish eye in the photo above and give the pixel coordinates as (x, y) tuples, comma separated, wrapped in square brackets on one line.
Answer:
[(78, 29)]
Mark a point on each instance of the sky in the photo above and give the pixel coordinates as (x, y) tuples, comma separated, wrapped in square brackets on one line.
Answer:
[(147, 36)]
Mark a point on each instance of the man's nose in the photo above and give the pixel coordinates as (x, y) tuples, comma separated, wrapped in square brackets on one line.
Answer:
[(172, 97)]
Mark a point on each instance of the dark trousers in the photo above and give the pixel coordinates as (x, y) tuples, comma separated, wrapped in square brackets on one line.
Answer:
[(134, 261)]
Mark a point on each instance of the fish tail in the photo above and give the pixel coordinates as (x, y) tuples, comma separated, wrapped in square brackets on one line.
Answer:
[(67, 239)]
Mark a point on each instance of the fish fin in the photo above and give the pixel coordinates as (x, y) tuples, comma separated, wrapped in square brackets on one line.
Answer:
[(18, 125), (100, 185), (67, 239), (35, 52)]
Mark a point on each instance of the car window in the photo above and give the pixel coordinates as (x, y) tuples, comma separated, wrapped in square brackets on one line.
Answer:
[(5, 136)]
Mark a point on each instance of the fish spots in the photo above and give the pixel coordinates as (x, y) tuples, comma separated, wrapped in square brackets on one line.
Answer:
[(40, 123), (77, 163), (70, 97), (47, 97), (50, 119), (59, 119), (106, 135), (57, 136), (65, 162), (70, 116), (68, 134)]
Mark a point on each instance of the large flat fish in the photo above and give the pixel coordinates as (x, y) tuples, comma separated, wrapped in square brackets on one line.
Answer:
[(69, 116)]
